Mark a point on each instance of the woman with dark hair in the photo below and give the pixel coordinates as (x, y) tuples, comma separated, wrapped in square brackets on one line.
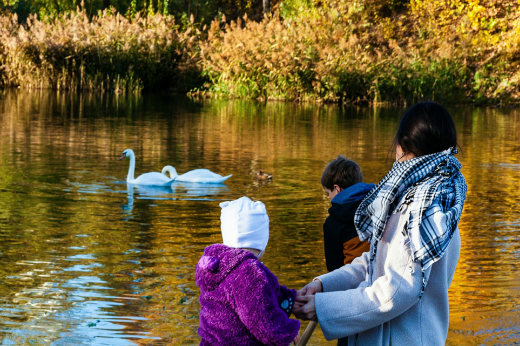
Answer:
[(397, 294)]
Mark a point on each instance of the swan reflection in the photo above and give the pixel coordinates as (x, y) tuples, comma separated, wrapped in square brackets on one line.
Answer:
[(183, 190), (177, 191)]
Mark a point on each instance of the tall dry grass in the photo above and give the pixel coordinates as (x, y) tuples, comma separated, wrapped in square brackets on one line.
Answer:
[(368, 51), (365, 51), (323, 58), (106, 52)]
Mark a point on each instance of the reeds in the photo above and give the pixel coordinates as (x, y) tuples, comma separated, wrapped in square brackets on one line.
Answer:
[(321, 59), (363, 51), (106, 53)]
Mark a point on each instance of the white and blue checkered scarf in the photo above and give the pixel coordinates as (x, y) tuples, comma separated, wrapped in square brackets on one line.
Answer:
[(433, 188)]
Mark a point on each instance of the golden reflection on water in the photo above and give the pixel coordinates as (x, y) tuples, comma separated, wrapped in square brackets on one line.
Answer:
[(87, 259)]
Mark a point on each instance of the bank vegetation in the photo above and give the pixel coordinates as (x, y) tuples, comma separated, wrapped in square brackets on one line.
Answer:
[(362, 51)]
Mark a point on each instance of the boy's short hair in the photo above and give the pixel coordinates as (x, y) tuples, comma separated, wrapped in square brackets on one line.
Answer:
[(342, 172)]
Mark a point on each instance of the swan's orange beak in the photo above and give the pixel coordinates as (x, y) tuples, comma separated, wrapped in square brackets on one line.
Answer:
[(122, 156)]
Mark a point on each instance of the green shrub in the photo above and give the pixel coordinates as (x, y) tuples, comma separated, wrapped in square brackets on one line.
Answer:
[(368, 51), (322, 59)]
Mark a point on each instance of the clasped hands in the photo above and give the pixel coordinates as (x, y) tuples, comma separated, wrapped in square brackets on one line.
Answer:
[(304, 308)]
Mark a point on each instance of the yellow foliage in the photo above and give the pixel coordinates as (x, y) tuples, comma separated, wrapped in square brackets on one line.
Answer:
[(364, 50), (345, 54)]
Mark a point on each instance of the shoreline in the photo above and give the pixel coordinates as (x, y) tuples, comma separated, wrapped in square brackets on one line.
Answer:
[(166, 92)]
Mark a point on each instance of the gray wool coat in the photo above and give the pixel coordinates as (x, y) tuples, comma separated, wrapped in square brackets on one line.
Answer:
[(382, 307)]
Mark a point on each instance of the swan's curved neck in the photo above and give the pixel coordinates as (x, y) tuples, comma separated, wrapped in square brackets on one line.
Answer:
[(131, 169), (169, 169)]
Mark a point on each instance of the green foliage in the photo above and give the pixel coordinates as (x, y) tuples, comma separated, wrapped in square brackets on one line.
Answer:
[(203, 11), (294, 8), (46, 8)]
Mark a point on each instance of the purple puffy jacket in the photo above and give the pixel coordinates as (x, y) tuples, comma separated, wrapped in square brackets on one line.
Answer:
[(241, 300)]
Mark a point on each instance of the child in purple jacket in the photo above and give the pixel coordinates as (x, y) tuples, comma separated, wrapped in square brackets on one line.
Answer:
[(241, 300)]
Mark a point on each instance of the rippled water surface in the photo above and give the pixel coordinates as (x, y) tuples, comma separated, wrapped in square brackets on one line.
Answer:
[(86, 259)]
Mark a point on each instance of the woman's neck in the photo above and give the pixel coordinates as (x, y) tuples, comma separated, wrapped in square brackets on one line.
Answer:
[(401, 155)]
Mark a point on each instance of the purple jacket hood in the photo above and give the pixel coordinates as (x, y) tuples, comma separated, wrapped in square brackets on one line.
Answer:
[(217, 262)]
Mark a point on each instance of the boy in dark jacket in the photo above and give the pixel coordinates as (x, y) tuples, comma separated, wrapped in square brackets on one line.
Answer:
[(343, 181), (241, 301)]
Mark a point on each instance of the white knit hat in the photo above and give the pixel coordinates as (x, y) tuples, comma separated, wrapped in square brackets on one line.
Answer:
[(244, 224)]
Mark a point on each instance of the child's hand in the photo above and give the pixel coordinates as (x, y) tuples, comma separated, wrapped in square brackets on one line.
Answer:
[(297, 305), (307, 311), (296, 339)]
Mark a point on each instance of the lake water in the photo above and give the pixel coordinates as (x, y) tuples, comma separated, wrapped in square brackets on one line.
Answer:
[(88, 260)]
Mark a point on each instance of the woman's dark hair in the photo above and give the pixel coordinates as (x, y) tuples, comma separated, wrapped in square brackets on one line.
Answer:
[(425, 129)]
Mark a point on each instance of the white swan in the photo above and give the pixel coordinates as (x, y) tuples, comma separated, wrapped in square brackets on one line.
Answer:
[(203, 175), (150, 179)]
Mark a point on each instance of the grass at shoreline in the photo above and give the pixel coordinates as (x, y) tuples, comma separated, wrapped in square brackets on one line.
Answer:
[(104, 53), (363, 52)]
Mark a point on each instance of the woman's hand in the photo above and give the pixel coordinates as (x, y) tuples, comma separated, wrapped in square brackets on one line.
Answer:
[(304, 308), (304, 305), (311, 289)]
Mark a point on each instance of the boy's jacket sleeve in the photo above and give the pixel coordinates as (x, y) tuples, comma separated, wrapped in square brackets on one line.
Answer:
[(256, 302), (354, 248)]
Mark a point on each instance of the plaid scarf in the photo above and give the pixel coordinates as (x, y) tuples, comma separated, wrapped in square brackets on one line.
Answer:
[(433, 188)]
